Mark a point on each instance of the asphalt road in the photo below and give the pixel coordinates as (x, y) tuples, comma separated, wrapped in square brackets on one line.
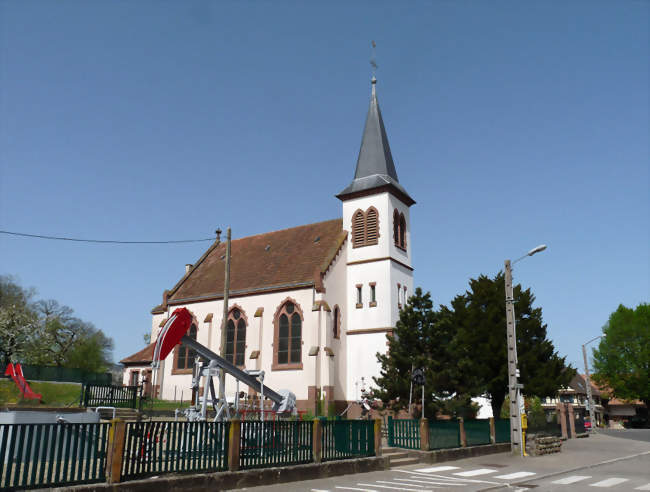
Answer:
[(620, 463), (634, 434)]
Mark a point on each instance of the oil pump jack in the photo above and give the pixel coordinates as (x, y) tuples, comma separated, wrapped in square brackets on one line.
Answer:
[(174, 333)]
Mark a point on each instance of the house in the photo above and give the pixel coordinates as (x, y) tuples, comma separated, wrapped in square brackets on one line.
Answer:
[(310, 305), (575, 394)]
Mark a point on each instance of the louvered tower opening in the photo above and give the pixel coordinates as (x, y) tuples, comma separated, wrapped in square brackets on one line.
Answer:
[(372, 226), (358, 229)]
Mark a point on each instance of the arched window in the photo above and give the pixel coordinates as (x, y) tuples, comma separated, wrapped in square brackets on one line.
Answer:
[(396, 227), (365, 228), (236, 337), (184, 355), (287, 345), (358, 229), (399, 229), (336, 325), (372, 226)]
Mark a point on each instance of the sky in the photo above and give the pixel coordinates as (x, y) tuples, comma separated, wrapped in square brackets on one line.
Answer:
[(511, 124)]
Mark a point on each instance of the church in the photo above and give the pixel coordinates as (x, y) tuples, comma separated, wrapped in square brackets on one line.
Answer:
[(310, 305)]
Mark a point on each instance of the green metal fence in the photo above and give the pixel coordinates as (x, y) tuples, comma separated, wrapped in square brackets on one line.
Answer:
[(477, 432), (48, 455), (444, 434), (95, 395), (65, 375), (151, 448), (347, 439), (275, 443), (502, 430), (404, 433)]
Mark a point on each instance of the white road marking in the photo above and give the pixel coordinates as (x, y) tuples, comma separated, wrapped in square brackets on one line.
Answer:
[(644, 487), (443, 477), (352, 488), (434, 469), (449, 484), (571, 479), (609, 482), (513, 476), (474, 473), (412, 485), (319, 490), (392, 488)]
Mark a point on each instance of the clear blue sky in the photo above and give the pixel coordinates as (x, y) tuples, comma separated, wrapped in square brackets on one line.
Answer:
[(511, 123)]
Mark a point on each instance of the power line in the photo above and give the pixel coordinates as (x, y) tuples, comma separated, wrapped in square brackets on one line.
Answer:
[(104, 241)]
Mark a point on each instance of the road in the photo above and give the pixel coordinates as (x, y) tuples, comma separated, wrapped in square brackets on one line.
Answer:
[(619, 462)]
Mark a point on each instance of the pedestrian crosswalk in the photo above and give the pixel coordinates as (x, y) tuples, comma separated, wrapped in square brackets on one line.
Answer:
[(447, 477)]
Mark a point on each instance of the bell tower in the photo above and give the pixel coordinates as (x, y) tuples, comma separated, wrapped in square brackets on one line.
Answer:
[(379, 268)]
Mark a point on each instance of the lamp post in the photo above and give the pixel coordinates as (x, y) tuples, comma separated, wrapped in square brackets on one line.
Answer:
[(516, 444), (589, 397)]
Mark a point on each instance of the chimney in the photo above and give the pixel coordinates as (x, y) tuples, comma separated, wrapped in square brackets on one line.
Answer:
[(188, 267)]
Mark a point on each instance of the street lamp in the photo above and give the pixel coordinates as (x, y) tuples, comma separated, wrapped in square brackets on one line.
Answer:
[(516, 444), (589, 397)]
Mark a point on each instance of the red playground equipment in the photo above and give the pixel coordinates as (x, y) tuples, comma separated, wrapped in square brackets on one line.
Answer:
[(15, 371)]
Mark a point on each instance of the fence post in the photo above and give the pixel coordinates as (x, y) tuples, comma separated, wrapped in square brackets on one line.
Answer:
[(389, 439), (234, 442), (463, 435), (377, 437), (424, 434), (317, 443), (116, 438), (493, 431)]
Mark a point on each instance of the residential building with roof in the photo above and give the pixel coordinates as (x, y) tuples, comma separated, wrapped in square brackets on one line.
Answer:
[(575, 394), (310, 305)]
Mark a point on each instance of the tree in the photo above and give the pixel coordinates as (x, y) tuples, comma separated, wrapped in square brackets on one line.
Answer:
[(480, 347), (622, 359), (420, 340), (68, 341), (47, 333), (18, 321)]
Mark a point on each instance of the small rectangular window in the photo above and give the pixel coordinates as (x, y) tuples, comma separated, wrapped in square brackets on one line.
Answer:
[(372, 294), (359, 296)]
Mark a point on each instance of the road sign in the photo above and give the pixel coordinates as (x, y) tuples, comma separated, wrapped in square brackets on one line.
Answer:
[(418, 376)]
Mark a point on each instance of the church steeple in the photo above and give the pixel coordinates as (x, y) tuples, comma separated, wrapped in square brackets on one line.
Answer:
[(375, 167)]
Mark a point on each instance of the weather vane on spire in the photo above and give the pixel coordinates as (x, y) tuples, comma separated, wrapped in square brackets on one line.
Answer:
[(373, 62)]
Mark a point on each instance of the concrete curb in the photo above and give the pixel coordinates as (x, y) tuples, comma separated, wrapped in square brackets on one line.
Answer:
[(563, 472), (240, 479), (442, 455)]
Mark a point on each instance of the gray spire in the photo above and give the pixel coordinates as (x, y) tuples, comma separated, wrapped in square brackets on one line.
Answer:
[(375, 167)]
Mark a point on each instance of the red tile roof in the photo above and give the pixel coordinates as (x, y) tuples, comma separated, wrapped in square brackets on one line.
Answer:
[(144, 356), (276, 260)]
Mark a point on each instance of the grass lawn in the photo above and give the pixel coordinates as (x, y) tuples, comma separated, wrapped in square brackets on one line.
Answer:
[(164, 404), (54, 394)]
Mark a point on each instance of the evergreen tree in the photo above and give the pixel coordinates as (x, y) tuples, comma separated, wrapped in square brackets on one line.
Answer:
[(480, 346), (420, 340)]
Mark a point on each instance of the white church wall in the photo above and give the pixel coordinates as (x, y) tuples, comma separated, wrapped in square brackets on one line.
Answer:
[(398, 253), (294, 380), (404, 277), (336, 293), (382, 204), (362, 361)]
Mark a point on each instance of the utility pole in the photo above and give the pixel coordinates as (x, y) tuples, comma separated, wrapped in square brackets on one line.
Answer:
[(513, 385), (222, 346), (588, 381)]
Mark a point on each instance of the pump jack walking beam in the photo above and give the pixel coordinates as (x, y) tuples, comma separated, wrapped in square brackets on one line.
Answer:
[(231, 369)]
